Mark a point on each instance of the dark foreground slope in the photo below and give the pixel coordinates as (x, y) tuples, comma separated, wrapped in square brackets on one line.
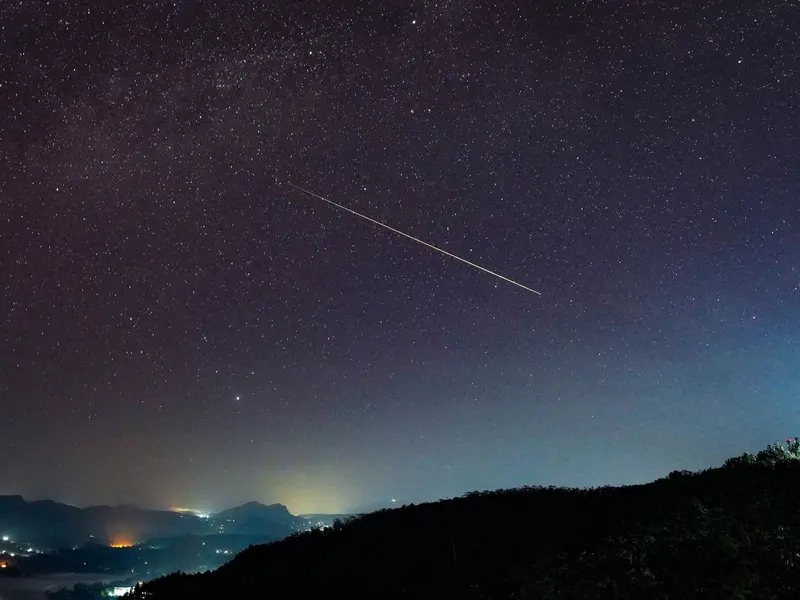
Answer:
[(732, 532)]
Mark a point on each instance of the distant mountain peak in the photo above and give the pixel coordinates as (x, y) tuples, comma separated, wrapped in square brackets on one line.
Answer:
[(53, 524), (273, 505), (253, 515), (255, 509), (256, 504)]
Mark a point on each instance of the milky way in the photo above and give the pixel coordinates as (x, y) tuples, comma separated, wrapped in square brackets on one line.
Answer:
[(178, 329)]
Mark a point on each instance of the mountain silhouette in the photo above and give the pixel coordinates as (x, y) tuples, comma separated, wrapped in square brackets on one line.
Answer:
[(51, 525), (727, 532), (256, 518)]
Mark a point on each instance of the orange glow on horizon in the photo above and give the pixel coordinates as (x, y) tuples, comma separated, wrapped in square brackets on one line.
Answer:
[(121, 542)]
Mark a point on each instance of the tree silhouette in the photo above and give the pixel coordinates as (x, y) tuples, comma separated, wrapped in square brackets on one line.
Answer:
[(732, 532)]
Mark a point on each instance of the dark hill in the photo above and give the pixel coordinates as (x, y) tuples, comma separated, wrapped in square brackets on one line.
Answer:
[(731, 532), (255, 518), (276, 513), (49, 524)]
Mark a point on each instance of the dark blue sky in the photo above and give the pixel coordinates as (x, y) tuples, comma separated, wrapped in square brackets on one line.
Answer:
[(180, 327)]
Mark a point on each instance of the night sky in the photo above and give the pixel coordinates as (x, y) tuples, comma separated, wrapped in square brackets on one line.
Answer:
[(178, 326)]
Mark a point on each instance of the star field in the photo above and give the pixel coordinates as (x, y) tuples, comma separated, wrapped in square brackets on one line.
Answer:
[(178, 326)]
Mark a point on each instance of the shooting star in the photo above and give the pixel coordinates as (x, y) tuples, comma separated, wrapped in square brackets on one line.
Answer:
[(411, 237)]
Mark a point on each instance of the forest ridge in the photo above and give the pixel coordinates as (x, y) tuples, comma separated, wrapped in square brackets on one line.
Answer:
[(726, 532)]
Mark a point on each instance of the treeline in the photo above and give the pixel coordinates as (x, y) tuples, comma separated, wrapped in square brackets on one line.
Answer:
[(731, 532)]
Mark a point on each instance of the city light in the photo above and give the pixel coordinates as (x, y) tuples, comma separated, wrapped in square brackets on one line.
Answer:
[(118, 592), (200, 514)]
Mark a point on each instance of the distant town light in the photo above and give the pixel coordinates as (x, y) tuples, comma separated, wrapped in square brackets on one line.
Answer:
[(5, 538)]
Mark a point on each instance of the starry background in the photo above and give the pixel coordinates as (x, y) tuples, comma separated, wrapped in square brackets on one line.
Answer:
[(180, 327)]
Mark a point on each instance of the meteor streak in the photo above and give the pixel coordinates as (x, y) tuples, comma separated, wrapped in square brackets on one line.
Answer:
[(411, 237)]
